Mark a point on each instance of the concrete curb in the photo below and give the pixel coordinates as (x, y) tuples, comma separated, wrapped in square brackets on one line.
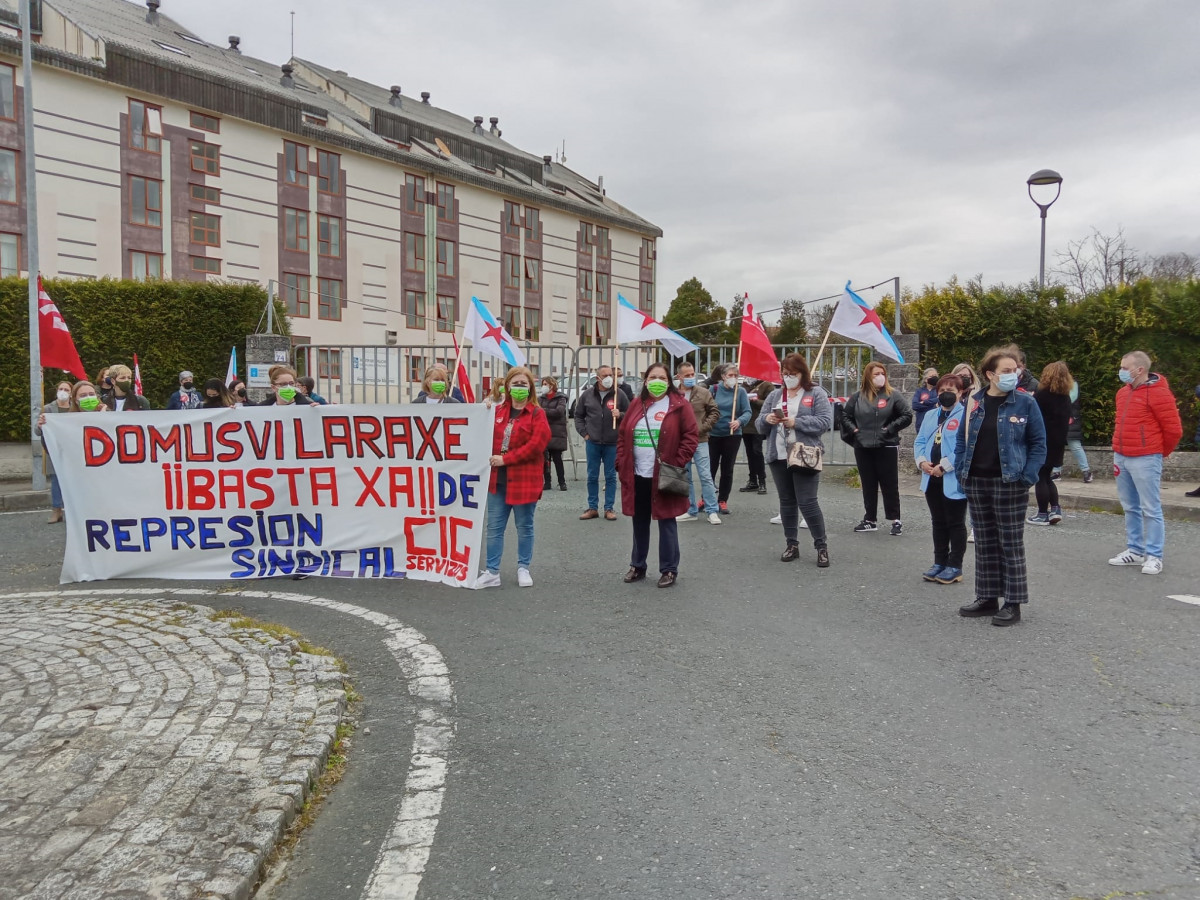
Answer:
[(15, 501)]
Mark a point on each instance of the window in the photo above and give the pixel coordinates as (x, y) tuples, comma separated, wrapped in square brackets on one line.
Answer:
[(445, 313), (295, 294), (329, 299), (512, 218), (145, 126), (205, 122), (329, 236), (295, 162), (314, 119), (329, 172), (414, 309), (145, 201), (533, 324), (171, 47), (510, 316), (586, 238), (647, 254), (8, 92), (329, 363), (533, 275), (445, 262), (206, 158), (414, 194), (414, 252), (202, 193), (206, 229), (601, 331), (295, 229), (512, 270), (416, 368), (8, 176), (604, 250), (445, 201), (206, 265), (585, 331), (584, 281), (647, 295), (601, 287), (10, 255), (146, 266)]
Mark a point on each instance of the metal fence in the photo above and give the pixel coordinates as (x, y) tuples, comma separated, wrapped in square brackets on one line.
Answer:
[(366, 373)]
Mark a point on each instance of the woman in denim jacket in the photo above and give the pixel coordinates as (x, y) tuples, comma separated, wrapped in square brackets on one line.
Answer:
[(998, 455), (934, 452)]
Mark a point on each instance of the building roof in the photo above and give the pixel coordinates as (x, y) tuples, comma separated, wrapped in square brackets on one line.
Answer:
[(358, 114)]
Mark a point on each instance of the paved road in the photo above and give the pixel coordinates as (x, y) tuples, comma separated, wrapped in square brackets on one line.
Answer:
[(773, 730)]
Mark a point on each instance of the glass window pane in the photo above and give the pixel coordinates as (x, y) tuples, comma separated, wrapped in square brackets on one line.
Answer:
[(9, 259)]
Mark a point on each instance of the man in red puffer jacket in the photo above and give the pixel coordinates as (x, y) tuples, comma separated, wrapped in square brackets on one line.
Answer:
[(1148, 430)]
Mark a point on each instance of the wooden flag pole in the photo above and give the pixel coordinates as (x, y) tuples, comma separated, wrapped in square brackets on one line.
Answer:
[(820, 352)]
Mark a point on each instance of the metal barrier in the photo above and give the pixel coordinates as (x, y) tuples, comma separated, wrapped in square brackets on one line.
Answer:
[(366, 373)]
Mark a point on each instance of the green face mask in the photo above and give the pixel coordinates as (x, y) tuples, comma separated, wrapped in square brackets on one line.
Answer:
[(287, 394), (89, 404), (656, 386), (125, 386), (519, 394), (438, 387)]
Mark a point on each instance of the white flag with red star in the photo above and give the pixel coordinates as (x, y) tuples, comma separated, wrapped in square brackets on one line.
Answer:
[(854, 319), (634, 325), (488, 336)]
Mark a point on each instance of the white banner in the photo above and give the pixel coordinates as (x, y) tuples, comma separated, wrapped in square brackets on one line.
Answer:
[(336, 491)]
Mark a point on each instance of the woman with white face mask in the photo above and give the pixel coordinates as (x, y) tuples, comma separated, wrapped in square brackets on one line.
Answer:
[(61, 404), (872, 421), (733, 404)]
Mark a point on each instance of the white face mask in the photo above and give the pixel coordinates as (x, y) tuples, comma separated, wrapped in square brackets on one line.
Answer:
[(879, 380), (791, 382), (730, 382), (543, 391), (606, 382), (64, 396)]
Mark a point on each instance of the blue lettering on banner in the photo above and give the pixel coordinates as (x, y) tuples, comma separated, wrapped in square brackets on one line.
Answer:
[(208, 534), (122, 536)]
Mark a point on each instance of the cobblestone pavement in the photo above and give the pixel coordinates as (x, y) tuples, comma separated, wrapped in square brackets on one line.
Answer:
[(148, 749)]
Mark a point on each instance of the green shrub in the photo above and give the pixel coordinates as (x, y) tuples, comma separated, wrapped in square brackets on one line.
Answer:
[(170, 325)]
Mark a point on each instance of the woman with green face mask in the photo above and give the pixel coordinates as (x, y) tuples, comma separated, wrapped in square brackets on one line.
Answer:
[(284, 389), (519, 438), (659, 427), (435, 387)]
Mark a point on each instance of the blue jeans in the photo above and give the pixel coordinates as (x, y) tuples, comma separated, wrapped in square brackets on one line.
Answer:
[(1139, 481), (708, 491), (56, 500), (497, 521), (597, 454), (1081, 460)]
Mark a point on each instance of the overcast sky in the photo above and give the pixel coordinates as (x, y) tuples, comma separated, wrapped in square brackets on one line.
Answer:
[(785, 146)]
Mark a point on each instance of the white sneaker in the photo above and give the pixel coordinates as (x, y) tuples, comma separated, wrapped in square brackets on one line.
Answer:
[(1153, 566), (487, 580), (714, 519), (803, 524), (1129, 558), (777, 519), (971, 536), (686, 517), (524, 579)]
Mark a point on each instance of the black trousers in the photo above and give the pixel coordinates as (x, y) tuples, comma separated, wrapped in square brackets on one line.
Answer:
[(797, 489), (949, 525), (554, 456), (754, 457), (1046, 491), (722, 454), (668, 530), (878, 470)]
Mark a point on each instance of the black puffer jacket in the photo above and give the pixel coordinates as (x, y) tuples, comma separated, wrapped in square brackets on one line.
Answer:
[(876, 423), (556, 415)]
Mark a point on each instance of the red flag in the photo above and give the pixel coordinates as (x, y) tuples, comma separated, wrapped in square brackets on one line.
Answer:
[(137, 376), (54, 338), (756, 356), (463, 380)]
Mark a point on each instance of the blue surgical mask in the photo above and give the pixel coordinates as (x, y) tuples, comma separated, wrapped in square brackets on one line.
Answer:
[(689, 382), (1008, 381), (1125, 376)]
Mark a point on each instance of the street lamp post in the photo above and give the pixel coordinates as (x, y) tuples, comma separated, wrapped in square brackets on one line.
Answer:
[(1040, 177)]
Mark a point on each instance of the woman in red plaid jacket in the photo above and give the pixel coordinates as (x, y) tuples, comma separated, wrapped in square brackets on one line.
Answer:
[(519, 439)]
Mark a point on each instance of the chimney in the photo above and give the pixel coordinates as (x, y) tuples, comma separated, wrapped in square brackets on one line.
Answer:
[(600, 185), (152, 15), (495, 132), (395, 100), (546, 167), (287, 81), (235, 43), (425, 97), (478, 129)]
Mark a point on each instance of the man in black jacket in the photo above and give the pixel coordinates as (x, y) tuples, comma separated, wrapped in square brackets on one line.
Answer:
[(596, 422)]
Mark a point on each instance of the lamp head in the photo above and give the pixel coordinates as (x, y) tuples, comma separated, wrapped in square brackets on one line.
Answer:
[(1044, 176)]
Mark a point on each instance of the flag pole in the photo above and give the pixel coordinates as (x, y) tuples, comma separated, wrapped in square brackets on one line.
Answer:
[(820, 352)]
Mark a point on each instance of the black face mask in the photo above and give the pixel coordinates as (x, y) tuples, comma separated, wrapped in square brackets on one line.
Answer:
[(948, 399), (931, 381), (188, 385)]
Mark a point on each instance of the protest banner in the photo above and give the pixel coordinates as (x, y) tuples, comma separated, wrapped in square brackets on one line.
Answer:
[(335, 491)]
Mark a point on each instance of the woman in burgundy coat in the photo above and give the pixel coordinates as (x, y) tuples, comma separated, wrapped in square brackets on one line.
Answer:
[(659, 424)]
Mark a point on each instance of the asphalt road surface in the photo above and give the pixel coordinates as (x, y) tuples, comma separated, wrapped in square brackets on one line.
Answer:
[(769, 729)]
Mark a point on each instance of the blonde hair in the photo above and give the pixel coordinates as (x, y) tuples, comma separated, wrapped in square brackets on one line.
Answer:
[(868, 386), (513, 373), (115, 372), (436, 367), (75, 389)]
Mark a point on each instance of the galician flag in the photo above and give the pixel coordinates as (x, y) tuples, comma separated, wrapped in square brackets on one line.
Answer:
[(488, 336), (854, 319), (231, 372), (756, 356), (633, 325), (54, 338)]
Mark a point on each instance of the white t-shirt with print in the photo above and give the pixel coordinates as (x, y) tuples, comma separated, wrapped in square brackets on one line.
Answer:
[(643, 446)]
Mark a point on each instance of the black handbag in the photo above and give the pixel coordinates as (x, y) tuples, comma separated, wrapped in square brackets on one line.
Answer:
[(671, 479)]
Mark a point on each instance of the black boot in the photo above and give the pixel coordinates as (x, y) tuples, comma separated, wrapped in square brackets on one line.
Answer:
[(1195, 493), (762, 485), (979, 608), (1010, 614), (562, 485), (751, 486)]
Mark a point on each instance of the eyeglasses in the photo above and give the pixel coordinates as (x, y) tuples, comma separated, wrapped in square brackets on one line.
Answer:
[(285, 384)]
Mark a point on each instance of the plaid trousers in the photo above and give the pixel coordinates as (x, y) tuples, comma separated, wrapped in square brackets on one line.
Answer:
[(998, 511)]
